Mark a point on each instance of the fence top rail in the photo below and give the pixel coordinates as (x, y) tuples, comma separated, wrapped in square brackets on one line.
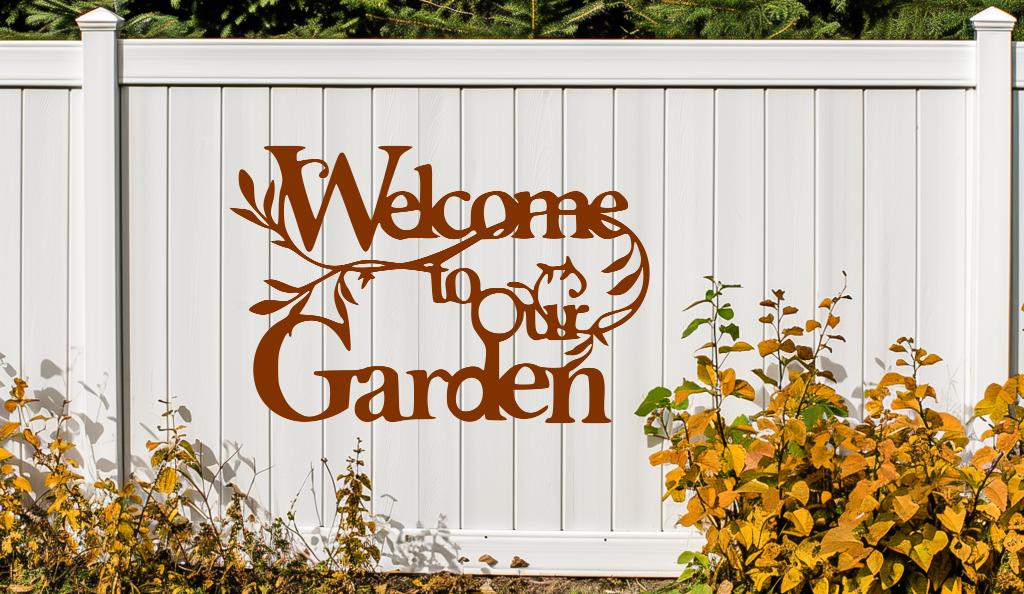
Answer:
[(572, 63)]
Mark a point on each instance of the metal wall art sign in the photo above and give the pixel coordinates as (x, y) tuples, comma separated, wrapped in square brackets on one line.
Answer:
[(594, 220)]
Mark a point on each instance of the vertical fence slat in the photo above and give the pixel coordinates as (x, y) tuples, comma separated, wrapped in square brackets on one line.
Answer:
[(245, 262), (942, 247), (839, 233), (487, 165), (588, 446), (77, 281), (44, 256), (395, 311), (10, 240), (438, 334), (689, 235), (296, 119), (789, 199), (636, 346), (538, 443), (144, 192), (347, 129), (890, 221), (194, 211), (739, 215)]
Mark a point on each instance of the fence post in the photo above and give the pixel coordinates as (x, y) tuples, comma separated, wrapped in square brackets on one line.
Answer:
[(101, 135), (990, 305)]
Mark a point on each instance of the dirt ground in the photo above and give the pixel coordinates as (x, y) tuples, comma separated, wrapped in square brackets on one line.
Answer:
[(466, 584)]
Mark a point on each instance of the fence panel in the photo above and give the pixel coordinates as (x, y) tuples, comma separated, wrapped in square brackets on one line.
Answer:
[(778, 176)]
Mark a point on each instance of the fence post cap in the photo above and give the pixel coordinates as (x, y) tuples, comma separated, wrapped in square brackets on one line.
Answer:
[(993, 19), (99, 19)]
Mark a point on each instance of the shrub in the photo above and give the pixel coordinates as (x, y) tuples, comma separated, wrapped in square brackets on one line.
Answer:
[(799, 498), (159, 536)]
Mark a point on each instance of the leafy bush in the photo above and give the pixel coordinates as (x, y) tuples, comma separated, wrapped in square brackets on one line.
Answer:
[(164, 535), (799, 498)]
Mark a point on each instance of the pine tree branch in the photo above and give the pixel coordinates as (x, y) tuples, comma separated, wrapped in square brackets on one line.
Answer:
[(699, 5), (406, 22), (780, 31), (448, 7)]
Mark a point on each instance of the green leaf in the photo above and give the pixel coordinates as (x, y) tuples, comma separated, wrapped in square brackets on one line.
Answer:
[(696, 303), (702, 559), (732, 330), (686, 557), (701, 589), (726, 313), (694, 325), (811, 414), (764, 377), (655, 399), (833, 410), (691, 387), (651, 430)]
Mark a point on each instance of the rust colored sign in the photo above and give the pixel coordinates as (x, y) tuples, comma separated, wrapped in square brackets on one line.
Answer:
[(594, 219)]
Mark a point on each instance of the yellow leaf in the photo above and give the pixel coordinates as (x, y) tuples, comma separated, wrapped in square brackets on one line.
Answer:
[(802, 521), (10, 406), (4, 454), (992, 406), (752, 486), (740, 347), (744, 390), (152, 445), (22, 483), (738, 457), (931, 359), (704, 374), (166, 481), (996, 493), (983, 457), (892, 571), (879, 528), (875, 560), (1014, 541), (952, 586), (796, 430), (728, 382), (933, 541), (853, 464), (31, 437), (800, 491), (767, 347), (9, 429), (792, 579), (905, 507), (953, 518)]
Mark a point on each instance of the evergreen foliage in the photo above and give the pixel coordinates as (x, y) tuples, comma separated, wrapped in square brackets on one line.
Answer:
[(511, 19)]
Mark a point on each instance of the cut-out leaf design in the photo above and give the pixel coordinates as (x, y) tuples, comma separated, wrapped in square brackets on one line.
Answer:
[(267, 307), (626, 283)]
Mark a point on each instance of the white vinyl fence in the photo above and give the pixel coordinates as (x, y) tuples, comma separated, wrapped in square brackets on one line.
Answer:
[(127, 280)]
